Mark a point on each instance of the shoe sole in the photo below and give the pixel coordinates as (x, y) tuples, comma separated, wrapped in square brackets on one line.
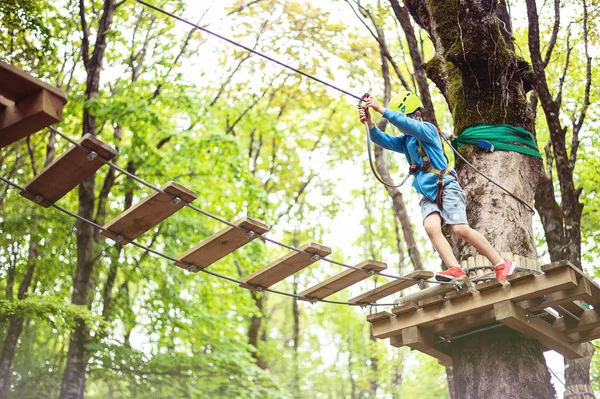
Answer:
[(441, 277)]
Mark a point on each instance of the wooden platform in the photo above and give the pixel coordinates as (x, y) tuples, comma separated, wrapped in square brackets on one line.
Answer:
[(392, 287), (27, 104), (149, 212), (67, 171), (428, 324), (222, 244)]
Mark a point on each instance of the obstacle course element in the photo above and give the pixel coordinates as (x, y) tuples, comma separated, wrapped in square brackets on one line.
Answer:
[(392, 287), (222, 244), (428, 323), (27, 104), (149, 212), (68, 171), (285, 266), (344, 279)]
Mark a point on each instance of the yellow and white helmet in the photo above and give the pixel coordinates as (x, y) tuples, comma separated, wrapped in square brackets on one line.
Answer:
[(406, 102)]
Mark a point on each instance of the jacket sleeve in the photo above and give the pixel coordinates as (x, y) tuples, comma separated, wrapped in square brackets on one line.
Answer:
[(384, 140), (424, 132)]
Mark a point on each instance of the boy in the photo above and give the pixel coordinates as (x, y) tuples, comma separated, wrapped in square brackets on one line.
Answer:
[(443, 198)]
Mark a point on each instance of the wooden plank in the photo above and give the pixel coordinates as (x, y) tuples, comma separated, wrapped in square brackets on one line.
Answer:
[(343, 280), (594, 299), (396, 341), (463, 292), (17, 84), (406, 308), (431, 301), (392, 287), (221, 244), (569, 309), (286, 266), (148, 212), (440, 289), (424, 341), (514, 317), (581, 292), (519, 276), (455, 326), (30, 115), (379, 316), (589, 320), (488, 285), (479, 302), (68, 170)]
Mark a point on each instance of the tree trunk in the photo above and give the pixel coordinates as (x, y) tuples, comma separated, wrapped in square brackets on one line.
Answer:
[(562, 223), (487, 84), (15, 326), (73, 384)]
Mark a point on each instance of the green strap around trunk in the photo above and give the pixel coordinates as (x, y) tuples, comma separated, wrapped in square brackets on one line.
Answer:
[(501, 137)]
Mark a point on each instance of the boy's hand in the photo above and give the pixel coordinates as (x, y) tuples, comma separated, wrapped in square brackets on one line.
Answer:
[(371, 103), (365, 116)]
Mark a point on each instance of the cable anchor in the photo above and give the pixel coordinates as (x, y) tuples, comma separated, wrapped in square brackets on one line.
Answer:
[(250, 234), (38, 199), (175, 201), (118, 239), (92, 155), (315, 258), (192, 268)]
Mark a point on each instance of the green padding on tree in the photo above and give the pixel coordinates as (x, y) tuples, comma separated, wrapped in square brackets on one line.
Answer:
[(501, 137)]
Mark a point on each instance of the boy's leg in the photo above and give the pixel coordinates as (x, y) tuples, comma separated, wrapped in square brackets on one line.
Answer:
[(433, 227), (478, 241), (503, 267)]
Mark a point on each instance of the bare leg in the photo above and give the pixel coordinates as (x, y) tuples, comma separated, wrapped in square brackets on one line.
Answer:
[(477, 240), (433, 227)]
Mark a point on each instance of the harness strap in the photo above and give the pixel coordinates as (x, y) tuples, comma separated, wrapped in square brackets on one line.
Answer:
[(429, 169)]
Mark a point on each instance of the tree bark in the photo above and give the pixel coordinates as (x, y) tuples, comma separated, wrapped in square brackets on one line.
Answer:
[(73, 384), (487, 84)]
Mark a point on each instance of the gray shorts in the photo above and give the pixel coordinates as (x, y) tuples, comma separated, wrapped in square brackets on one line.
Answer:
[(455, 205)]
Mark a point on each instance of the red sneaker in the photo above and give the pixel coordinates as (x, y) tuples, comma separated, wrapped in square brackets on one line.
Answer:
[(450, 274), (505, 269)]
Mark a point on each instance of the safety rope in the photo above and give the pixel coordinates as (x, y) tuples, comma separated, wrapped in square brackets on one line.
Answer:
[(231, 224)]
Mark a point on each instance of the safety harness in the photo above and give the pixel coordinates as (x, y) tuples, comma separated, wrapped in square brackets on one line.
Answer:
[(426, 167)]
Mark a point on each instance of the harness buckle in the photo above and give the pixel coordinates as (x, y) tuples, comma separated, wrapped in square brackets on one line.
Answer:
[(413, 169)]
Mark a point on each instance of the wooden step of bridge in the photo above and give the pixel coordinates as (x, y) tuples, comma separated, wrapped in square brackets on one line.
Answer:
[(68, 171), (392, 287), (221, 244), (343, 280), (148, 212), (524, 304), (27, 104), (285, 266)]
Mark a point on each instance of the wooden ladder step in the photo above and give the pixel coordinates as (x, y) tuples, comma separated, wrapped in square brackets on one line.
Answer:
[(392, 287), (286, 266), (222, 243), (67, 171), (343, 279), (372, 318), (148, 212), (27, 104)]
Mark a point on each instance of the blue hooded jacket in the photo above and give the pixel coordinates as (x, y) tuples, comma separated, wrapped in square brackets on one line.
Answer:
[(425, 183)]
